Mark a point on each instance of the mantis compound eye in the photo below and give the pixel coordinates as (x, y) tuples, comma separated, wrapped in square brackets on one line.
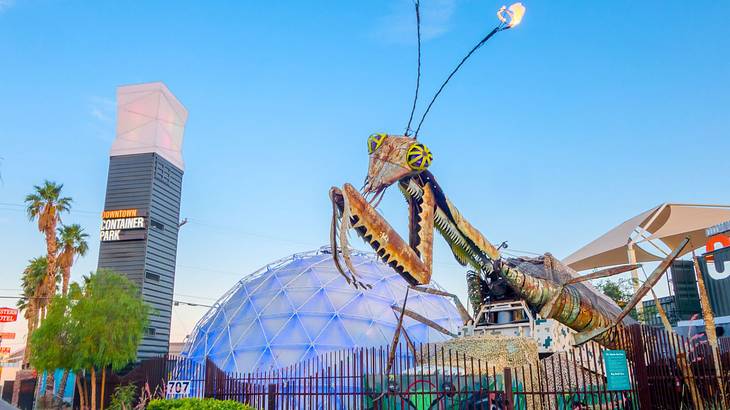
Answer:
[(419, 157), (375, 141)]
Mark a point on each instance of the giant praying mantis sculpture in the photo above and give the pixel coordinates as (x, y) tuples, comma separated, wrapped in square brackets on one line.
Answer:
[(545, 284)]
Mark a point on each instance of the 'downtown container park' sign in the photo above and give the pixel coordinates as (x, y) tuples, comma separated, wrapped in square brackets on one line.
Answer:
[(123, 225)]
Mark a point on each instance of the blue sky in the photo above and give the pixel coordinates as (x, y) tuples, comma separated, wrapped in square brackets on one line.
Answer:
[(585, 115)]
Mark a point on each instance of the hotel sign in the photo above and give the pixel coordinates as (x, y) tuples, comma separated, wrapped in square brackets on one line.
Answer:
[(8, 314), (123, 225)]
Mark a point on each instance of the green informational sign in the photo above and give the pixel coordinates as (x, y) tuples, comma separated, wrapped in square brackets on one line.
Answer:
[(617, 370)]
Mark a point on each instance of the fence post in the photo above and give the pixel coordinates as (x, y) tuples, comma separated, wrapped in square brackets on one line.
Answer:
[(509, 403), (272, 396), (208, 379), (641, 374)]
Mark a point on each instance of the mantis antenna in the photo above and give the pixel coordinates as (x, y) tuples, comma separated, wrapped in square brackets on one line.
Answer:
[(418, 76), (508, 18)]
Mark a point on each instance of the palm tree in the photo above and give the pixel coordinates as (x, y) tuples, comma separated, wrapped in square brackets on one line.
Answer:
[(46, 204), (32, 298), (72, 241)]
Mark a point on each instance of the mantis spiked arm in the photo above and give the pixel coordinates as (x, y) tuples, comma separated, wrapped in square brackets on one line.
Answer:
[(569, 303)]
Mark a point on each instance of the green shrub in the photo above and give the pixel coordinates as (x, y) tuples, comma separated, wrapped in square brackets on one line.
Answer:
[(197, 404), (123, 397)]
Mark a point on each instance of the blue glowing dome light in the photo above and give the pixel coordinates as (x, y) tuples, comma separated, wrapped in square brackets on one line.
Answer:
[(300, 307)]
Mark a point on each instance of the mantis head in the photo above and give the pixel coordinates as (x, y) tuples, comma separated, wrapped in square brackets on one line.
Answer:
[(393, 158)]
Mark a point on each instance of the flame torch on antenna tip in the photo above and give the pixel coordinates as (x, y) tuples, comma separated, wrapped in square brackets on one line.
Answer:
[(511, 16)]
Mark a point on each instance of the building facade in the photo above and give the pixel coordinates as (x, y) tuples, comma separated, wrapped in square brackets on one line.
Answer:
[(141, 215)]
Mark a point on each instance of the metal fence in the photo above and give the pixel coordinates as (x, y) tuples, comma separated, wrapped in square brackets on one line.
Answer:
[(150, 377), (430, 377), (666, 371), (424, 377), (684, 372)]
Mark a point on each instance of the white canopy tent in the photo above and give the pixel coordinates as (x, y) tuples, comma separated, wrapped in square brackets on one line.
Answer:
[(660, 229)]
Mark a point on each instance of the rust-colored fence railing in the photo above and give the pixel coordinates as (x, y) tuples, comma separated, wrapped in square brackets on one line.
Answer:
[(150, 378), (666, 371), (429, 377), (684, 372), (575, 379)]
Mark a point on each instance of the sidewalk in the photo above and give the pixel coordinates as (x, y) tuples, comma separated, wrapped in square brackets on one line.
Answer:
[(6, 406)]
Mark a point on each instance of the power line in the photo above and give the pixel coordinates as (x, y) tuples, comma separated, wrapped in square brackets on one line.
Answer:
[(16, 205)]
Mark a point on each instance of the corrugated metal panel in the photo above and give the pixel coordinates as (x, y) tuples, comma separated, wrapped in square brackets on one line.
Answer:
[(149, 182), (685, 289), (717, 280)]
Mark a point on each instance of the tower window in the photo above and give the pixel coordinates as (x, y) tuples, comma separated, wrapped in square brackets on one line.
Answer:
[(152, 276)]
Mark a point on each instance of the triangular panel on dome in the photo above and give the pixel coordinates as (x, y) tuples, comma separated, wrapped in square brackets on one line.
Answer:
[(196, 350), (276, 304), (222, 340), (266, 361), (302, 280), (273, 325), (299, 297), (217, 322), (418, 332), (357, 307), (335, 334), (287, 355), (324, 274), (222, 359), (241, 330), (318, 303), (246, 312), (339, 298), (246, 359), (381, 289), (315, 324), (232, 308), (267, 284), (253, 336), (380, 309), (309, 353), (364, 332), (435, 336), (293, 333)]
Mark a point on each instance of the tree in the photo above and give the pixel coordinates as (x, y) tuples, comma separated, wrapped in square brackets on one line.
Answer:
[(32, 298), (619, 290), (46, 205), (53, 343), (72, 241), (101, 323)]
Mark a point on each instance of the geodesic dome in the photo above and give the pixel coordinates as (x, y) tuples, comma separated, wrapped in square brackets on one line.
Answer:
[(300, 307)]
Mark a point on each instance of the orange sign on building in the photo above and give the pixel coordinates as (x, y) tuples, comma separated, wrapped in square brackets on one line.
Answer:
[(8, 315)]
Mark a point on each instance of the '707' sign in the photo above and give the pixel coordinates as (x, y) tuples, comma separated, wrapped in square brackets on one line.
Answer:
[(178, 388)]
